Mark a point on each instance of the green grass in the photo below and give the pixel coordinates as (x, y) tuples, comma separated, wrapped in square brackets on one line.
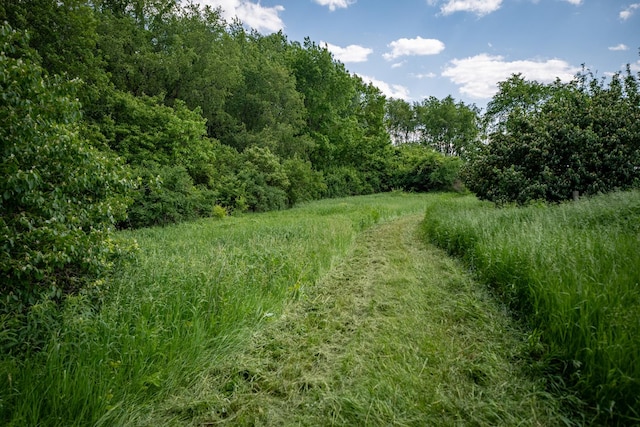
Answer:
[(572, 272), (192, 297), (395, 334)]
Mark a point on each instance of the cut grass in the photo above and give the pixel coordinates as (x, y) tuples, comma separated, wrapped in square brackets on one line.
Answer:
[(395, 334)]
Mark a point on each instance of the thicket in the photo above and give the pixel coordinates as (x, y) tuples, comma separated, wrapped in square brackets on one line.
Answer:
[(546, 142), (60, 197), (570, 272)]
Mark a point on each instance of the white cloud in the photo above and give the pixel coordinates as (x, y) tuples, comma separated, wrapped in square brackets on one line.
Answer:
[(388, 90), (575, 2), (479, 75), (417, 46), (398, 64), (252, 14), (621, 46), (626, 13), (335, 4), (635, 66), (425, 76), (351, 53), (479, 7)]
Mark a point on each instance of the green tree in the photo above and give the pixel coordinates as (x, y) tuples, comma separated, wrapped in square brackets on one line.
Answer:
[(448, 127), (60, 197), (584, 136), (515, 97), (400, 121)]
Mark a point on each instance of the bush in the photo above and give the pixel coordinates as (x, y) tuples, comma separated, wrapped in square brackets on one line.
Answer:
[(581, 136), (305, 183), (167, 195), (59, 197), (420, 168)]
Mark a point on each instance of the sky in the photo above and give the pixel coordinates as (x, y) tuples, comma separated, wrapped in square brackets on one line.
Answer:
[(414, 49)]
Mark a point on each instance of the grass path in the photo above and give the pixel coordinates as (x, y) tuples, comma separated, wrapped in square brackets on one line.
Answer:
[(395, 334)]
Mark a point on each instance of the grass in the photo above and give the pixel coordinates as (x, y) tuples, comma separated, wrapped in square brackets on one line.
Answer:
[(194, 295), (570, 271), (395, 334)]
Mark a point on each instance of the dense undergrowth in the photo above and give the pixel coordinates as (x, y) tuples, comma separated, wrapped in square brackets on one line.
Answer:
[(571, 272), (193, 294)]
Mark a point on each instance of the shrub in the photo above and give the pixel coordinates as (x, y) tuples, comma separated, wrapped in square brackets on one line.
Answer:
[(420, 168), (59, 197), (167, 195)]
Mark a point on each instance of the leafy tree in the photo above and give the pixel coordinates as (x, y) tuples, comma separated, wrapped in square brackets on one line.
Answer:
[(584, 136), (64, 35), (400, 121), (60, 197), (448, 127), (515, 97), (328, 92)]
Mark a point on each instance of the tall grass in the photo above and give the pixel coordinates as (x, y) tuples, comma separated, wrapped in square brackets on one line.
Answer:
[(572, 271), (193, 295)]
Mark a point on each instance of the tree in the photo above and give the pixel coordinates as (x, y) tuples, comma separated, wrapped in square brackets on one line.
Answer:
[(515, 96), (582, 136), (400, 121), (448, 127), (60, 197)]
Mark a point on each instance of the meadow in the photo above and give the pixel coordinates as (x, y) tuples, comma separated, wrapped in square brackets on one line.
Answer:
[(192, 296), (571, 273), (188, 322)]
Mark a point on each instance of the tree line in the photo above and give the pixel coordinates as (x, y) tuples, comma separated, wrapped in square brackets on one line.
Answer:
[(134, 113)]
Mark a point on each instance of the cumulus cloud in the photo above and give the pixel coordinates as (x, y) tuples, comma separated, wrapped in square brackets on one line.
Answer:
[(335, 4), (576, 2), (351, 53), (388, 90), (261, 18), (479, 75), (479, 7), (621, 46), (417, 46), (626, 13)]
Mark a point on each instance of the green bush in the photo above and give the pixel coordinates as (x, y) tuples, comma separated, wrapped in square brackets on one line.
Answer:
[(305, 183), (344, 181), (59, 197), (420, 168), (580, 136), (167, 195)]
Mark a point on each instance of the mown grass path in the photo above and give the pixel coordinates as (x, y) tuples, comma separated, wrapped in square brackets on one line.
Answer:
[(395, 334)]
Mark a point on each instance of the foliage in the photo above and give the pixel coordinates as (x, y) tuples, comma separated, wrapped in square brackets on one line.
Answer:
[(570, 272), (580, 136), (420, 168), (166, 195), (60, 197), (400, 121), (306, 184), (448, 127)]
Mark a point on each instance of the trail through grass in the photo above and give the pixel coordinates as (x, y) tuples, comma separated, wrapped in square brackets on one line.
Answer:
[(395, 334)]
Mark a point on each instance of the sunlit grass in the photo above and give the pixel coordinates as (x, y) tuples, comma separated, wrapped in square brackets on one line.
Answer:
[(193, 295), (572, 273)]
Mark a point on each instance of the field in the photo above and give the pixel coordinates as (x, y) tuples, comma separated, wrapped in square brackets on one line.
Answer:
[(571, 272), (339, 312), (194, 294)]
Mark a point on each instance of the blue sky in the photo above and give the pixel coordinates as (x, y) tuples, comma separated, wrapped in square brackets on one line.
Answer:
[(413, 49)]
